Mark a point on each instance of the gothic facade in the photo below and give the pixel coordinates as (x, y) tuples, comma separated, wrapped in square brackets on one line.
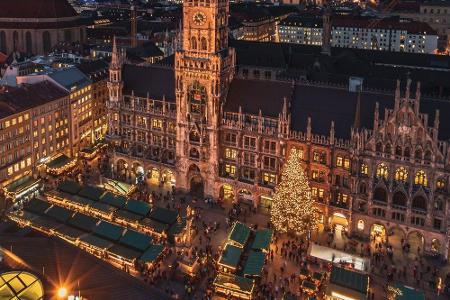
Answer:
[(377, 162)]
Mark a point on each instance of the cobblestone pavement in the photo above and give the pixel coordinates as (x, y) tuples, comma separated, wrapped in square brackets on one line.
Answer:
[(404, 267)]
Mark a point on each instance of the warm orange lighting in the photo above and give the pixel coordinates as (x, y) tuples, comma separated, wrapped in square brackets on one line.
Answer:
[(62, 292)]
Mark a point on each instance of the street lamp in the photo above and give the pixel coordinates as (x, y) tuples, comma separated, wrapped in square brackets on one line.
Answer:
[(62, 292)]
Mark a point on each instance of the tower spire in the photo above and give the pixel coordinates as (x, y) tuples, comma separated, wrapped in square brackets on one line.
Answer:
[(115, 57)]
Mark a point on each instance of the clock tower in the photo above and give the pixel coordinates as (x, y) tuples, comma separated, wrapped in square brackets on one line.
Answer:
[(203, 70)]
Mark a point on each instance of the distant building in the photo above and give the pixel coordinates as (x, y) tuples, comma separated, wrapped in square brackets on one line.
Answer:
[(361, 33), (34, 27)]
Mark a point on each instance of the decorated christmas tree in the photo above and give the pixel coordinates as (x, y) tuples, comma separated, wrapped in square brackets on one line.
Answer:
[(293, 207)]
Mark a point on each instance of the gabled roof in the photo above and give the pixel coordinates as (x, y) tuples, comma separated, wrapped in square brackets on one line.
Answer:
[(254, 264), (155, 81), (239, 234), (164, 215), (37, 206), (111, 199), (262, 239), (138, 207), (91, 192), (152, 254), (83, 221), (231, 255), (59, 213), (108, 230), (136, 240)]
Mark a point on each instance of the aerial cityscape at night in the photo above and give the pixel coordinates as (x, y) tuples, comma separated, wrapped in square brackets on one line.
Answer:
[(220, 149)]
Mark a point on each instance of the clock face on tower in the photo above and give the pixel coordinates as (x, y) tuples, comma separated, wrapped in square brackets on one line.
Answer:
[(199, 18)]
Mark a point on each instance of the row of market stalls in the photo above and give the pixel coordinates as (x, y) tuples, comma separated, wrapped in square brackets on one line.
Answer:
[(105, 240), (118, 209), (242, 260)]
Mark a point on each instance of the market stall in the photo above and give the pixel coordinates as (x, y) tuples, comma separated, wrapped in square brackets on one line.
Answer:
[(60, 164), (347, 284), (118, 187), (22, 187), (234, 286)]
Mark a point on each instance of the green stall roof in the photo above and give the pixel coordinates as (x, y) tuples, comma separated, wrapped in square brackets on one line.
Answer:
[(124, 252), (111, 199), (37, 206), (103, 207), (409, 293), (235, 283), (125, 214), (21, 184), (79, 200), (154, 225), (136, 240), (45, 222), (262, 239), (239, 233), (96, 241), (83, 222), (108, 230), (350, 279), (69, 186), (230, 256), (164, 215), (70, 232), (254, 263), (59, 213), (91, 192), (118, 186), (59, 161), (152, 253), (137, 207), (178, 227)]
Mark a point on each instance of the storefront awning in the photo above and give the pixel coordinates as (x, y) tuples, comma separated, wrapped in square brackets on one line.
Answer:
[(262, 239), (239, 234), (254, 264)]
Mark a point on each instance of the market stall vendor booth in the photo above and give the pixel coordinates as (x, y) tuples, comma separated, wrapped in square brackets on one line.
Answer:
[(234, 286), (347, 284), (22, 187), (60, 164)]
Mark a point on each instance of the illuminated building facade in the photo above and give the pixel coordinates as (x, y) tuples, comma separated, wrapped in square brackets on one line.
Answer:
[(200, 124)]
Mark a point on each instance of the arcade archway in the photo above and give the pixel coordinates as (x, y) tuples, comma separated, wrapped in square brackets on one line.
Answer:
[(196, 186), (415, 242), (396, 237), (226, 193), (378, 233), (339, 221)]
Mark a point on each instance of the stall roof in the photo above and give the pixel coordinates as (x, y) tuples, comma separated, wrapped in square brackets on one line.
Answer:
[(70, 232), (124, 252), (230, 256), (178, 227), (96, 241), (80, 200), (59, 161), (111, 199), (239, 233), (156, 226), (409, 293), (128, 215), (262, 239), (164, 215), (254, 263), (235, 283), (103, 207), (68, 186), (45, 222), (152, 253), (37, 206), (59, 213), (137, 207), (108, 230), (350, 279), (21, 184), (136, 240), (83, 222), (91, 192), (118, 186)]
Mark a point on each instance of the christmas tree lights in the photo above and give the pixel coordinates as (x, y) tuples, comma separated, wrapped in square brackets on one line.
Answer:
[(293, 207)]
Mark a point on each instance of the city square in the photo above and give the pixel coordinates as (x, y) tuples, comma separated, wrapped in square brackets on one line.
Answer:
[(205, 149)]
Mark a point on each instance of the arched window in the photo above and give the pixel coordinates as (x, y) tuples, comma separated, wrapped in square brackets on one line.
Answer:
[(427, 155), (406, 153), (15, 40), (204, 44), (3, 42), (379, 147), (193, 43), (435, 245), (401, 174), (399, 199), (364, 169), (418, 154), (28, 43), (194, 136), (362, 188), (388, 149), (440, 184), (438, 205), (421, 178), (194, 153), (46, 41), (398, 151), (380, 194), (419, 203), (382, 171)]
